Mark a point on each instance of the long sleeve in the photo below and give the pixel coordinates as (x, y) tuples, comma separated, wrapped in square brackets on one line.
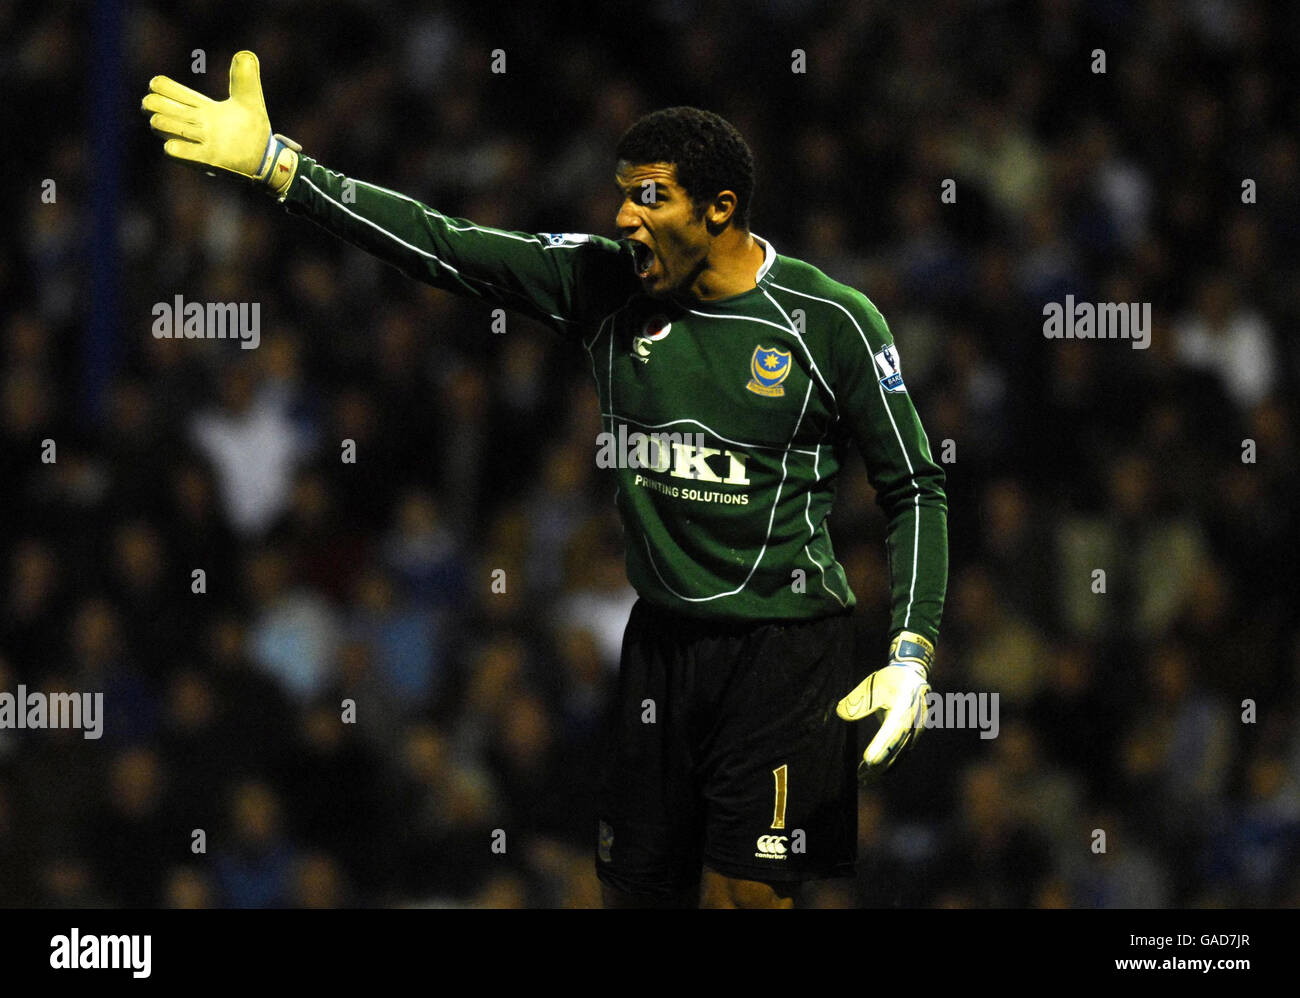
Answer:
[(872, 400), (566, 280)]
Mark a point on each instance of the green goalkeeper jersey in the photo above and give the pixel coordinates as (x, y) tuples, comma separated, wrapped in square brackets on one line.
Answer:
[(725, 422)]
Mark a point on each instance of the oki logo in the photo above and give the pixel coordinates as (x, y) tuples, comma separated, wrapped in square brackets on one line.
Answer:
[(681, 455)]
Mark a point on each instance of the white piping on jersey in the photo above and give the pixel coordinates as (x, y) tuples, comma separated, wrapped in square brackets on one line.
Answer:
[(416, 249), (916, 497), (769, 257), (489, 230), (596, 376), (471, 227), (601, 327), (590, 348), (816, 564), (739, 443), (816, 454), (609, 386), (774, 325), (812, 532), (771, 518), (797, 336)]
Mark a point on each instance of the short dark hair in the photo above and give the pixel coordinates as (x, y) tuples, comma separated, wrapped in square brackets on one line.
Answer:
[(710, 155)]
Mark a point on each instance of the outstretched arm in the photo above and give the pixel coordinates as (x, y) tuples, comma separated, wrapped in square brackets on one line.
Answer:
[(566, 280)]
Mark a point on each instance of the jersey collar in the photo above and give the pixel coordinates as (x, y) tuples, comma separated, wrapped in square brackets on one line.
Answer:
[(769, 257)]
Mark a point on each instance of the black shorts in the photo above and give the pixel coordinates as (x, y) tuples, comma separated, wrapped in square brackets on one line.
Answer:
[(723, 749)]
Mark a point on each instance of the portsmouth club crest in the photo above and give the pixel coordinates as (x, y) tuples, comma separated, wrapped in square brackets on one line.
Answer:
[(654, 330), (768, 367)]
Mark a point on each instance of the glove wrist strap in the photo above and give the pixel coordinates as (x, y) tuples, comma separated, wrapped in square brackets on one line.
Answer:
[(279, 163), (908, 646)]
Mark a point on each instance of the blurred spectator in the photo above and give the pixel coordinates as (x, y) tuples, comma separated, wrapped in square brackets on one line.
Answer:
[(597, 595), (253, 861), (136, 821), (1231, 342), (296, 634), (253, 446)]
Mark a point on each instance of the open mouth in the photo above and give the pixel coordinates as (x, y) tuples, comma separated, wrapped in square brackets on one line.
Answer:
[(643, 258)]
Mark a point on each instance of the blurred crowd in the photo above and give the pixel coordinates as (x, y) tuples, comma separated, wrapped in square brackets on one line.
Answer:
[(1148, 752)]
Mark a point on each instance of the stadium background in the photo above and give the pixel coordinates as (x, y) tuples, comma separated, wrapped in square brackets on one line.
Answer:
[(476, 710)]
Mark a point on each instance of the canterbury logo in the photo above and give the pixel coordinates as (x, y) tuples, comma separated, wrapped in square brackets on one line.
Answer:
[(771, 845)]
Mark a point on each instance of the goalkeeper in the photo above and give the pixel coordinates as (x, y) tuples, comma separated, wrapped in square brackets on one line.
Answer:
[(730, 776)]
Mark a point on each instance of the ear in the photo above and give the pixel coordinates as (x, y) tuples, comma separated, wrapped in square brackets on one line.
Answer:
[(720, 211)]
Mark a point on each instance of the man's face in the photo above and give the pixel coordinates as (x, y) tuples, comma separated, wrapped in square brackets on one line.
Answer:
[(669, 236)]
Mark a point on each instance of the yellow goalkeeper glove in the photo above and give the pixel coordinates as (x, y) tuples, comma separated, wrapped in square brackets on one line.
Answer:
[(233, 135), (900, 690)]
